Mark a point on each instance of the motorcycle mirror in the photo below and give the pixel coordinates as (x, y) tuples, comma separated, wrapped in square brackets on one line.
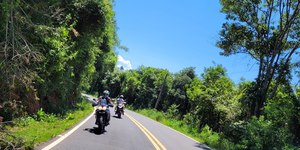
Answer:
[(94, 103)]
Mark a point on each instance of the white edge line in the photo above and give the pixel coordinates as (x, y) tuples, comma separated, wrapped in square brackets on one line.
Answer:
[(67, 134)]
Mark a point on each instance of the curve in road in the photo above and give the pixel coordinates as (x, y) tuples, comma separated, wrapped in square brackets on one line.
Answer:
[(132, 132)]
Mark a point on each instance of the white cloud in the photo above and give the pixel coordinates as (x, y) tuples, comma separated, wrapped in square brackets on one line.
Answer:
[(123, 62)]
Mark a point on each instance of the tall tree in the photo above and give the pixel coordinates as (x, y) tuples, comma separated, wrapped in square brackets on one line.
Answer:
[(266, 30), (178, 93), (49, 49), (19, 55), (213, 100)]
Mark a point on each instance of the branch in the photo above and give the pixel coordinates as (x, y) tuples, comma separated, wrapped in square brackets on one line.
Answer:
[(9, 143), (289, 22), (252, 55), (12, 27), (280, 15), (269, 18), (291, 52), (287, 59), (26, 16), (6, 39), (283, 34), (260, 70)]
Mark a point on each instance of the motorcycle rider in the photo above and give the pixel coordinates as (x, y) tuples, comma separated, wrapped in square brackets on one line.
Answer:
[(120, 100), (107, 101)]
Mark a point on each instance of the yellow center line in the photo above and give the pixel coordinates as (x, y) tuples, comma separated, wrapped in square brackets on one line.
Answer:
[(157, 141), (151, 140), (149, 135)]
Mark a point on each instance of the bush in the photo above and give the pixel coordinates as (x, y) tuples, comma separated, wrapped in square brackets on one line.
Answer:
[(42, 116), (211, 138), (25, 121), (172, 111), (235, 131), (191, 120), (261, 134)]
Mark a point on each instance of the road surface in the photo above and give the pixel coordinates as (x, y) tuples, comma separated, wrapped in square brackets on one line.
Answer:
[(132, 132)]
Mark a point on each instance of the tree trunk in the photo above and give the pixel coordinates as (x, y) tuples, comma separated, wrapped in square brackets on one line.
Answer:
[(160, 93)]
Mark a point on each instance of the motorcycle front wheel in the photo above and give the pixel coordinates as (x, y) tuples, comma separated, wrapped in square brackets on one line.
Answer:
[(101, 125)]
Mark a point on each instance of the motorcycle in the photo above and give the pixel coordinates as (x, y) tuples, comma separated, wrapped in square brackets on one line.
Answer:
[(101, 116), (120, 110)]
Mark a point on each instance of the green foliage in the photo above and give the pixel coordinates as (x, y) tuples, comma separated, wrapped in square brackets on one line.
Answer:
[(70, 116), (40, 115), (206, 135), (172, 111), (268, 32), (140, 87), (211, 108), (214, 103), (153, 113), (31, 131), (52, 51), (178, 90), (8, 141), (19, 57), (210, 137), (67, 47), (212, 99), (279, 109), (261, 134), (62, 47)]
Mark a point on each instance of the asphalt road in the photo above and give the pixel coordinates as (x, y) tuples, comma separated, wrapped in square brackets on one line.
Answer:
[(132, 132)]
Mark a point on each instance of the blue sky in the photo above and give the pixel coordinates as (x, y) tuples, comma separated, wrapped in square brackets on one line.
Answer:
[(173, 35)]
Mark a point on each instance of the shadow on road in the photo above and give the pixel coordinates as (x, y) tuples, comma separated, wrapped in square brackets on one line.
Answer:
[(202, 146), (117, 117), (94, 130)]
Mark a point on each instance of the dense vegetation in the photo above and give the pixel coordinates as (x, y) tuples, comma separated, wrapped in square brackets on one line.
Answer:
[(259, 114), (51, 51), (212, 102), (28, 132)]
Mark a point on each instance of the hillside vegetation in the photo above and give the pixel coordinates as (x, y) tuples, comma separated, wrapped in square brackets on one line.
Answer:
[(52, 51)]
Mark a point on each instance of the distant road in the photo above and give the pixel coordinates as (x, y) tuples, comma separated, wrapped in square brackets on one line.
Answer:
[(132, 132)]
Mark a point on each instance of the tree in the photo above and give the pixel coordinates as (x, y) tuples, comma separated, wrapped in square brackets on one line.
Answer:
[(213, 100), (105, 65), (178, 93), (49, 51), (130, 86), (19, 56), (267, 31), (113, 82)]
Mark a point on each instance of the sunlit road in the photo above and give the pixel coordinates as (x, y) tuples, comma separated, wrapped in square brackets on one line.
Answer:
[(132, 132)]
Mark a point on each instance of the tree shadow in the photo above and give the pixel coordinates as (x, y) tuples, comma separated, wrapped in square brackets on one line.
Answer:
[(202, 146), (94, 130)]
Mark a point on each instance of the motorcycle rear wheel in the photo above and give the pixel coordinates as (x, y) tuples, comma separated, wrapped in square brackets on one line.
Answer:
[(119, 114)]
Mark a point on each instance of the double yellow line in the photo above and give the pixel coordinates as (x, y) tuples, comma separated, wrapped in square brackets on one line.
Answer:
[(150, 136)]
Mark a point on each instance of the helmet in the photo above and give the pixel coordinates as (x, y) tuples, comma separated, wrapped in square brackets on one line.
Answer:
[(106, 92), (121, 96)]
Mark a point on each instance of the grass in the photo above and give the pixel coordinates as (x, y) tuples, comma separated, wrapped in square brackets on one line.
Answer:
[(35, 130), (206, 135), (173, 123)]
